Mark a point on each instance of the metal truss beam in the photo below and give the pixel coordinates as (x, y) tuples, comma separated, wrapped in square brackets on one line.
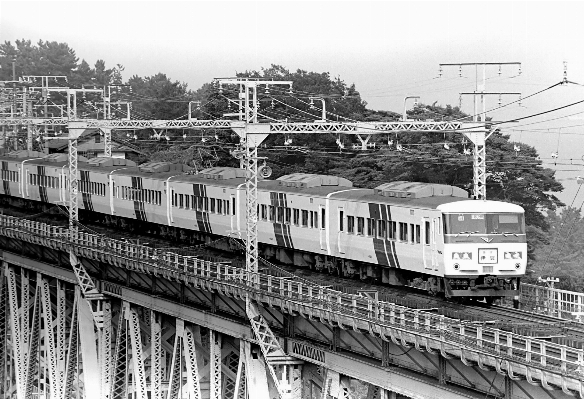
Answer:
[(155, 356), (175, 380), (215, 364), (34, 121), (193, 378), (119, 378), (16, 331), (139, 375), (72, 365), (49, 336), (32, 364), (3, 334)]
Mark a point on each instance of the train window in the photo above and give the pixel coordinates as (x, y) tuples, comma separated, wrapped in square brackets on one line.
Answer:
[(219, 207), (212, 204), (381, 226), (322, 220), (427, 233), (206, 204), (296, 213), (159, 198), (351, 224), (418, 234), (412, 233), (403, 231), (279, 214), (181, 201), (341, 220), (315, 219), (233, 206), (271, 212), (226, 206), (304, 218), (264, 212), (313, 216), (287, 215), (360, 225), (371, 227)]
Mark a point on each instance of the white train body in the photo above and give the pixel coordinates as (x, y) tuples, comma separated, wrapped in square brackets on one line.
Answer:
[(426, 235)]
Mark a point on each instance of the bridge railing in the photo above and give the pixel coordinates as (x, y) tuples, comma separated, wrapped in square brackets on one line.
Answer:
[(383, 319)]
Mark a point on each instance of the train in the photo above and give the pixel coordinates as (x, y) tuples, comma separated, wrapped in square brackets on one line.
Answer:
[(428, 236)]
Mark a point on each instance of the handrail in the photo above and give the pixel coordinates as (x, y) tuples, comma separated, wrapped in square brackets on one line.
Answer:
[(358, 312)]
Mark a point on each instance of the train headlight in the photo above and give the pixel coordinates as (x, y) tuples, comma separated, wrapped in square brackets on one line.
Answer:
[(517, 265), (456, 266), (462, 255), (513, 255)]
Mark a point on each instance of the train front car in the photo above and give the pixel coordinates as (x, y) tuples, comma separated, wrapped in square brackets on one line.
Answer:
[(485, 249)]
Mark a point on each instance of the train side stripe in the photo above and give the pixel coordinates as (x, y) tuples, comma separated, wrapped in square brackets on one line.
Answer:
[(393, 251), (285, 227), (6, 183), (378, 243), (42, 189), (385, 218), (138, 206), (202, 217)]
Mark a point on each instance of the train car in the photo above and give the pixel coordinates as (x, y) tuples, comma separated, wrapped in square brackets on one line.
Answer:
[(425, 235), (208, 201)]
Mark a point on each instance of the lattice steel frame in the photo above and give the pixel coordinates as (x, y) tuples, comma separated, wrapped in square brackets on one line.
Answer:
[(155, 355), (139, 375), (215, 360), (16, 331), (3, 334)]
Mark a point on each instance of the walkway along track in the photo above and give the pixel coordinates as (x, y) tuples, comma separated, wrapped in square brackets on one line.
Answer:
[(518, 356)]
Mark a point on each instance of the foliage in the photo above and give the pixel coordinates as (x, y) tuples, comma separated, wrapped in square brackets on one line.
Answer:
[(562, 256)]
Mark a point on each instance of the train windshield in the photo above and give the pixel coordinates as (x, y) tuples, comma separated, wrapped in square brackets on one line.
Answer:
[(484, 223)]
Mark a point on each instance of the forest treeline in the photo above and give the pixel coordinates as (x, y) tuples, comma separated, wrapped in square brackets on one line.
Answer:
[(555, 232)]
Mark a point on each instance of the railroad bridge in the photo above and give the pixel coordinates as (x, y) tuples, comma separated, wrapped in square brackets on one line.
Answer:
[(162, 325)]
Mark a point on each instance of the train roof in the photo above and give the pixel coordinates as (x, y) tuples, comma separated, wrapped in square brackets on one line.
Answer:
[(482, 206)]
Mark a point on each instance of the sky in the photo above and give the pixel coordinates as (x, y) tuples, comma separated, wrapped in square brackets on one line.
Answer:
[(388, 49)]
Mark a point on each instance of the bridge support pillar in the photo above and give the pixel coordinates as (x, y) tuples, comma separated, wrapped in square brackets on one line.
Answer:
[(442, 370), (255, 372), (88, 338), (4, 375), (508, 387)]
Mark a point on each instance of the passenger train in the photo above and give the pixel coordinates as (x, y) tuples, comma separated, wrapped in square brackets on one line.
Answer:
[(430, 236)]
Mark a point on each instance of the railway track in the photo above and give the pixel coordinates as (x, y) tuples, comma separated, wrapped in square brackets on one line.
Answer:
[(518, 321)]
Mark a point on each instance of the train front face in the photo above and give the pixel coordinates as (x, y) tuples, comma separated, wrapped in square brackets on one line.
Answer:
[(485, 248)]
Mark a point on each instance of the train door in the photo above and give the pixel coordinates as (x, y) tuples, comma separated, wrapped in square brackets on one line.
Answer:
[(342, 237), (322, 228), (430, 255)]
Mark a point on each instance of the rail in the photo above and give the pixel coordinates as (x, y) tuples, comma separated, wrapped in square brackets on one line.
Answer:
[(539, 361)]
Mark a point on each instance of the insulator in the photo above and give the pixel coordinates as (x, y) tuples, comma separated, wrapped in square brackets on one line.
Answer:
[(446, 146), (399, 147), (264, 171), (167, 138), (272, 104), (135, 137), (440, 71), (554, 155), (184, 136), (516, 148), (216, 137), (500, 70), (390, 142), (460, 71), (203, 139)]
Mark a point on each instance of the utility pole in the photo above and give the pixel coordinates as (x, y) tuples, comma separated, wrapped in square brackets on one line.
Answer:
[(480, 89)]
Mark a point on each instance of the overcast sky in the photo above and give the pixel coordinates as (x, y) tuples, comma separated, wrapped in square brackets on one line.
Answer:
[(388, 49)]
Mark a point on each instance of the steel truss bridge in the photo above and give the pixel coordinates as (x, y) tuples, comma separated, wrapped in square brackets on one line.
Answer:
[(162, 325)]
